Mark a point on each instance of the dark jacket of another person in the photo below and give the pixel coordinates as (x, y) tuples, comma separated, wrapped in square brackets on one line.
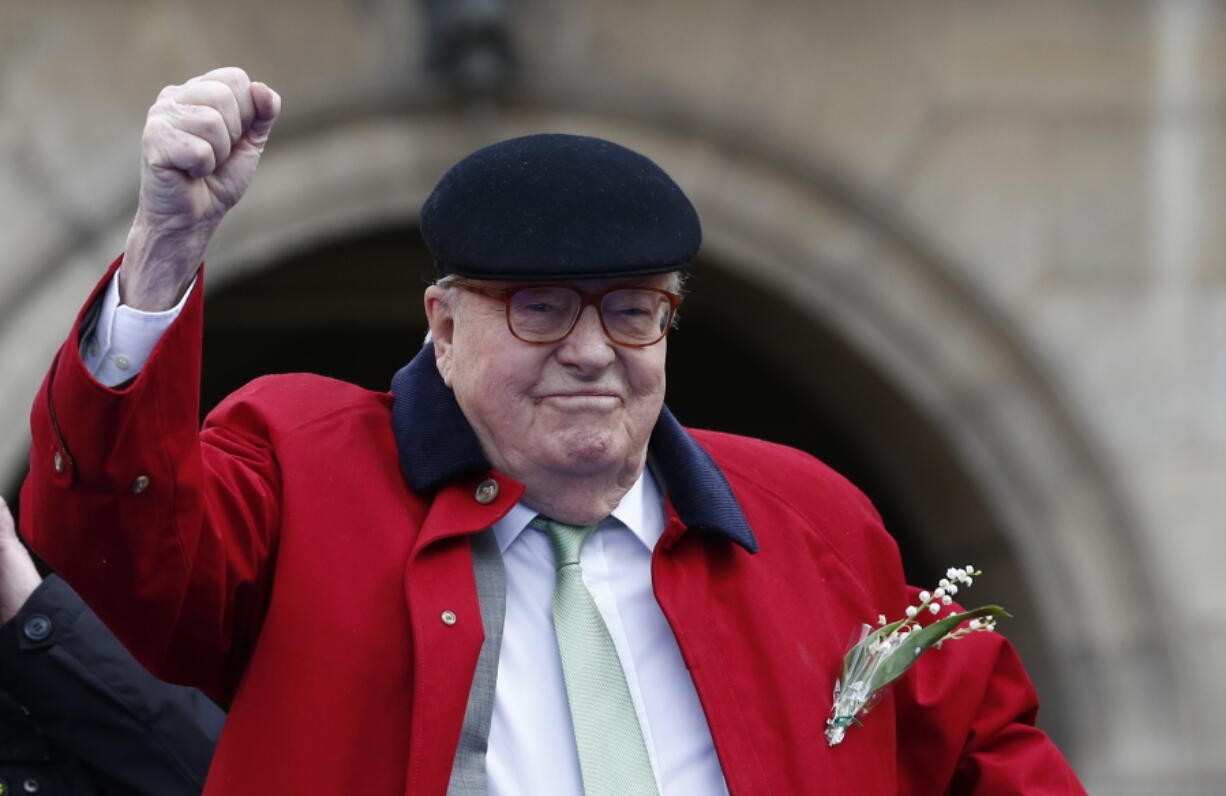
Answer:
[(79, 716)]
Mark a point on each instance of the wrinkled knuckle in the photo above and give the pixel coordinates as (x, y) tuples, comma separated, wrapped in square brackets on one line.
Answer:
[(200, 148), (161, 109), (157, 127), (230, 80), (214, 92), (209, 116), (172, 151), (180, 117), (199, 159), (237, 74), (187, 150), (218, 125), (218, 121)]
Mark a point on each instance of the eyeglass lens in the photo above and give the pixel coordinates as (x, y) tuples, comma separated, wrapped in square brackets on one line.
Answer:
[(630, 315)]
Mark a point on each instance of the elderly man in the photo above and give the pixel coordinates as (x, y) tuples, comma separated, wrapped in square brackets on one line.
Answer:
[(516, 573)]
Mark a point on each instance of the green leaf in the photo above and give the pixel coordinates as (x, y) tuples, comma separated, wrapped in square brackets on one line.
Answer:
[(917, 641)]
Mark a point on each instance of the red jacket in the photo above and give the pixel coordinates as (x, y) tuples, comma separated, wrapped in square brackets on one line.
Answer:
[(280, 559)]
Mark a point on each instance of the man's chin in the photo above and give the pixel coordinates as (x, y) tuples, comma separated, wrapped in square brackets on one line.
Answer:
[(587, 453)]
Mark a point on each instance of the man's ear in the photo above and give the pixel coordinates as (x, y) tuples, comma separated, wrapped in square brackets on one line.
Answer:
[(440, 314)]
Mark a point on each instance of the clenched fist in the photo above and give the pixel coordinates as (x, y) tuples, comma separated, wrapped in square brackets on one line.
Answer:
[(199, 152)]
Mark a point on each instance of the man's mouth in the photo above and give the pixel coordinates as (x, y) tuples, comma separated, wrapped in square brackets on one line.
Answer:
[(582, 400)]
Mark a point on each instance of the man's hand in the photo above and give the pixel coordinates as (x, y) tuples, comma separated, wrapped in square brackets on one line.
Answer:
[(199, 151), (18, 577)]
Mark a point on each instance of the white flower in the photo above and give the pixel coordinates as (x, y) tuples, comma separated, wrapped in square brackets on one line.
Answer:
[(953, 589), (974, 624), (924, 596), (939, 593), (934, 609), (946, 600), (912, 611), (969, 581), (881, 619), (970, 568), (944, 583), (951, 573)]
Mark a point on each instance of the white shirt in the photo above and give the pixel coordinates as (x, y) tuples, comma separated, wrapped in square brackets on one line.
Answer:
[(122, 338), (531, 744)]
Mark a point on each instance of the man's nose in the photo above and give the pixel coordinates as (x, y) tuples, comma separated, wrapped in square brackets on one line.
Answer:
[(587, 345)]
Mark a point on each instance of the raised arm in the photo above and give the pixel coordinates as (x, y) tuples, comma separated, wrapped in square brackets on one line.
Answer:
[(199, 151), (168, 538)]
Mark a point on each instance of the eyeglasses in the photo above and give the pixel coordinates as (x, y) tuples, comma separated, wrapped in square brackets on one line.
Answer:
[(631, 316)]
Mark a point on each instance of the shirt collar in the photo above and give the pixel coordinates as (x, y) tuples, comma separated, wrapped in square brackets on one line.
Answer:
[(436, 444)]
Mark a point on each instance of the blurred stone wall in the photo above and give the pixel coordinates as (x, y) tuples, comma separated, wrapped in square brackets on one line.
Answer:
[(1008, 208)]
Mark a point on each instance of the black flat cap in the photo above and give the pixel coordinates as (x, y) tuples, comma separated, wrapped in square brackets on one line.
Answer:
[(555, 206)]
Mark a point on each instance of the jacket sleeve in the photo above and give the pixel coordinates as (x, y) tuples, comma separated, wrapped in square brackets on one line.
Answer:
[(167, 533), (93, 700), (1004, 752), (966, 716)]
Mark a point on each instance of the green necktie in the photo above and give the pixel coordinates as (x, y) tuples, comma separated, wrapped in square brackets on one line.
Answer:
[(612, 755)]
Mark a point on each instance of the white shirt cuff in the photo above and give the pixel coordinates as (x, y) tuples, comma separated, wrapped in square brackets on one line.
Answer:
[(121, 340)]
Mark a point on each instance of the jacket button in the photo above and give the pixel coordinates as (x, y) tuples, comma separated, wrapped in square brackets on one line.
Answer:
[(448, 617), (487, 490), (57, 461), (140, 484), (31, 786), (37, 627)]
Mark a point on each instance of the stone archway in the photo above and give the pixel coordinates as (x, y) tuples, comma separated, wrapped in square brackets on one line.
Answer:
[(935, 385)]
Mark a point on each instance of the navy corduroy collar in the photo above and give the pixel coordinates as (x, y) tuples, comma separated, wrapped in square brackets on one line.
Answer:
[(436, 444)]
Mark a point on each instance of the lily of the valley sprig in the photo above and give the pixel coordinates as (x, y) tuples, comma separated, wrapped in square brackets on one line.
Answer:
[(883, 655)]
